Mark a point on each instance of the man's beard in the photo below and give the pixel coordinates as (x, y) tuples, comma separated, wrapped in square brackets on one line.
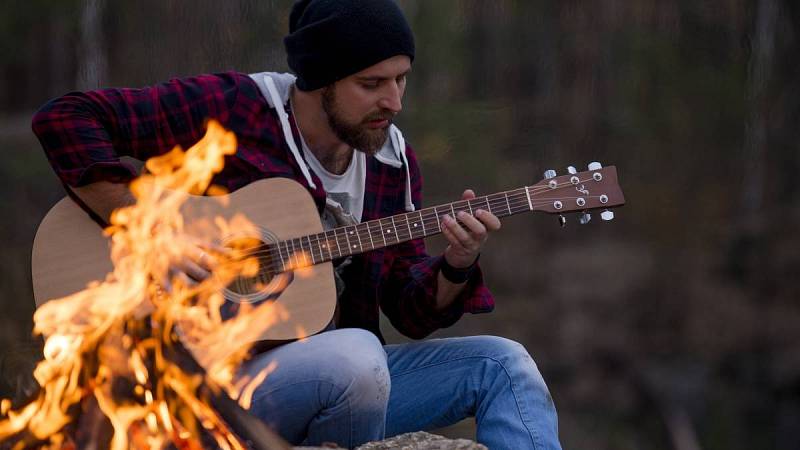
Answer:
[(356, 135)]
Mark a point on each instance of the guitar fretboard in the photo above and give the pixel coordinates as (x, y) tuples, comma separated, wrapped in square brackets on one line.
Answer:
[(350, 240)]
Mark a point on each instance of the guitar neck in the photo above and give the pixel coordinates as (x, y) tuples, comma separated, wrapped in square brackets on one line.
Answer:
[(374, 234)]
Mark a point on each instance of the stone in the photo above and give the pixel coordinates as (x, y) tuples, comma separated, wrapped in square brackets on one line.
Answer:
[(419, 440)]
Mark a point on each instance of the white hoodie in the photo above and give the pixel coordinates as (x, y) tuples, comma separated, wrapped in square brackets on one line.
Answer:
[(276, 87)]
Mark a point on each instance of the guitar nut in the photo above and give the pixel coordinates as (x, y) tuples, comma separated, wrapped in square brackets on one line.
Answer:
[(580, 201), (597, 176), (604, 198), (557, 204)]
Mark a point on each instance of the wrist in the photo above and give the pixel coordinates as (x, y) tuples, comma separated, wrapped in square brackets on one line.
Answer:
[(457, 275)]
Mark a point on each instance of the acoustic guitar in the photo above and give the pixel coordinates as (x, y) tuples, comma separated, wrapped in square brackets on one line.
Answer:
[(69, 250)]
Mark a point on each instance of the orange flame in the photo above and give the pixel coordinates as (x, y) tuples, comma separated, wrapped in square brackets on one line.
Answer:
[(123, 327)]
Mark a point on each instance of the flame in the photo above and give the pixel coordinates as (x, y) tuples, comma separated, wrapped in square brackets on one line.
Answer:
[(126, 327)]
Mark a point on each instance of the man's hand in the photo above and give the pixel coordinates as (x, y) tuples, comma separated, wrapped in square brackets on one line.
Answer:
[(197, 263), (466, 241), (199, 259)]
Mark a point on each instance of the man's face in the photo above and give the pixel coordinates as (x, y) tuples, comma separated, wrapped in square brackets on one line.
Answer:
[(361, 107)]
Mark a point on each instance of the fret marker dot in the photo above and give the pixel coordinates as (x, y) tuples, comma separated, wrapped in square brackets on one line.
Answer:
[(415, 225), (354, 245)]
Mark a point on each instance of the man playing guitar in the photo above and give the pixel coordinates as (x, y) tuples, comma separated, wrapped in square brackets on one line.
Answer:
[(329, 127)]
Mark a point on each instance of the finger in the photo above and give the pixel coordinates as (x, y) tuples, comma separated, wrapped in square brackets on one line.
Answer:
[(474, 226), (206, 260), (489, 220), (194, 270), (452, 225), (454, 241), (178, 276), (186, 279), (206, 254), (468, 194), (464, 238), (218, 250), (166, 283)]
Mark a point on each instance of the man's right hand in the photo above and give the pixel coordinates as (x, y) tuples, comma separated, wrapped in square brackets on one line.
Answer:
[(199, 259)]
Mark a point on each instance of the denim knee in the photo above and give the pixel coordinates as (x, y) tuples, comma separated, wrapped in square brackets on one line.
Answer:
[(500, 348), (511, 355), (358, 369)]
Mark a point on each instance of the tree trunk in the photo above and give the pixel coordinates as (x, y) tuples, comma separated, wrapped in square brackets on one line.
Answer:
[(755, 142), (92, 61)]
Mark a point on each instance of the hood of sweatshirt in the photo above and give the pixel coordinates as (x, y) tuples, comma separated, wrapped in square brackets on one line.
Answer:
[(276, 88)]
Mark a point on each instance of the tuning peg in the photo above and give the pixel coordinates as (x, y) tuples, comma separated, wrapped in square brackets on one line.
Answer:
[(571, 170), (562, 221), (550, 173), (607, 215), (584, 218), (595, 165)]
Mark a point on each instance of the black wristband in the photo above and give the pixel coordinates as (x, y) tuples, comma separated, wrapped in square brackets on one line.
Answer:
[(455, 275)]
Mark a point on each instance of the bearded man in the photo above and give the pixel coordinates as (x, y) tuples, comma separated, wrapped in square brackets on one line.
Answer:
[(329, 127)]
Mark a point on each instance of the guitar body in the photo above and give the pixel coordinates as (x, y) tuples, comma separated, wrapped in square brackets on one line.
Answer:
[(70, 251)]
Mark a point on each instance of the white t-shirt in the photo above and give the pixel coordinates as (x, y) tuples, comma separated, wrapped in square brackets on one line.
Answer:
[(346, 189), (345, 199)]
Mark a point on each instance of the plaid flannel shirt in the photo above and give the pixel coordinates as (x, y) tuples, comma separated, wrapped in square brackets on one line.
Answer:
[(85, 133)]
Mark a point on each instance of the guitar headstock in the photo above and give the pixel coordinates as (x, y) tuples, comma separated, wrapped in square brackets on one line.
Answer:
[(594, 189)]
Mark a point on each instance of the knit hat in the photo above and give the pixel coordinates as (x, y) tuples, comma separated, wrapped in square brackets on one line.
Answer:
[(331, 39)]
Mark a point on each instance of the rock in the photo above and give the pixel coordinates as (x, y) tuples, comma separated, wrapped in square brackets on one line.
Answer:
[(419, 440)]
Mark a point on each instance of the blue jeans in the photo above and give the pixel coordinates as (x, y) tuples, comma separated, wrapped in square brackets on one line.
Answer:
[(343, 386)]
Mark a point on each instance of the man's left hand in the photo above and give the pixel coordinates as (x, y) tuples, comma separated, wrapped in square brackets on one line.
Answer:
[(467, 239)]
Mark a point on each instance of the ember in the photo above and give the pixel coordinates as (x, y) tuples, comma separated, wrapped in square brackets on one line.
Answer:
[(116, 371)]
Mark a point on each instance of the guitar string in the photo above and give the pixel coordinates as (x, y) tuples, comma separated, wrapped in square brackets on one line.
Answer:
[(520, 201), (266, 269), (430, 213), (401, 233), (490, 200), (377, 231), (373, 233)]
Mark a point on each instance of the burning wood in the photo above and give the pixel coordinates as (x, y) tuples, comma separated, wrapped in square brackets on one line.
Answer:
[(116, 373)]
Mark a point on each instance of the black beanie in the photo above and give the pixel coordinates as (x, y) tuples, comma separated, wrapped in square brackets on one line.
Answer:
[(331, 39)]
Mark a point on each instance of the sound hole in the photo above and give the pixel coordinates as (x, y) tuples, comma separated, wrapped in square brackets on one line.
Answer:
[(257, 283)]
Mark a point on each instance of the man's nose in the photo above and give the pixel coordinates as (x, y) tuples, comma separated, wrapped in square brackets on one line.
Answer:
[(392, 97)]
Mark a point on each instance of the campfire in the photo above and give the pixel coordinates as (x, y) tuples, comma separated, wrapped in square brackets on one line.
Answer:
[(145, 358)]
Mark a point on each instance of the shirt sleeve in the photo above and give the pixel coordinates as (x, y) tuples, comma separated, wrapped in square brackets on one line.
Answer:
[(408, 288), (84, 134)]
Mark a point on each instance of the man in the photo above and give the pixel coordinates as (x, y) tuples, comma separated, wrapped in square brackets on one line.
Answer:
[(330, 128)]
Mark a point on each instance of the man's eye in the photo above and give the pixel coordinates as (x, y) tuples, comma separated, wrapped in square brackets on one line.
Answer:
[(370, 85)]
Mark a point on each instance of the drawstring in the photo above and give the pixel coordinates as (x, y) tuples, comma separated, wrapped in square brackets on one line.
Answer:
[(287, 130), (400, 144)]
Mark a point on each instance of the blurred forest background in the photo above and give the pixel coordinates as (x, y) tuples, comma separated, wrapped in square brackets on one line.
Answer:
[(675, 326)]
